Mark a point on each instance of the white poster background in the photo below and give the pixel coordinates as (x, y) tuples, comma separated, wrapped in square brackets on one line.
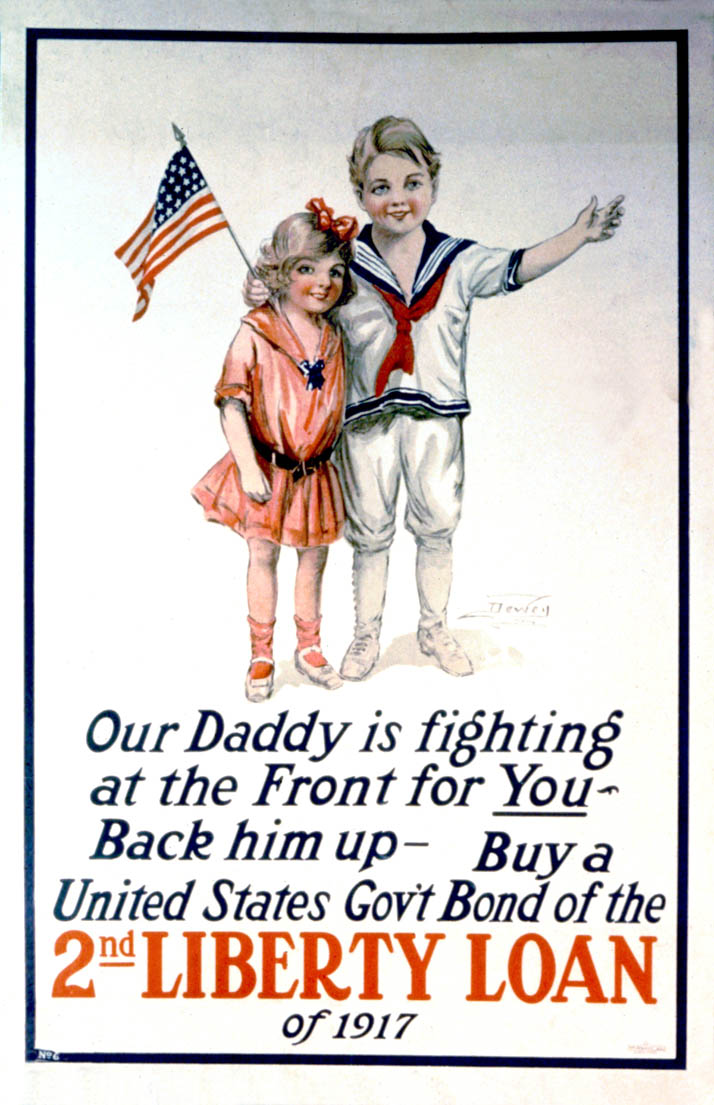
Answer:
[(570, 492)]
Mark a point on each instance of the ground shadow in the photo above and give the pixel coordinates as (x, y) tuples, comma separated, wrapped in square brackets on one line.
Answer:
[(484, 648), (287, 675)]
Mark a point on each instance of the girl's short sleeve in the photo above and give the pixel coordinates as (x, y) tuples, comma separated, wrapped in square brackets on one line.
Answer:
[(236, 380)]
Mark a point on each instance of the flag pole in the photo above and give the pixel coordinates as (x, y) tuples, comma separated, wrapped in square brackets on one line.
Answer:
[(181, 139)]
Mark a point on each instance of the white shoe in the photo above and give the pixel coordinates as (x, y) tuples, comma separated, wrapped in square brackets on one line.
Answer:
[(324, 675), (257, 690), (445, 649), (360, 657)]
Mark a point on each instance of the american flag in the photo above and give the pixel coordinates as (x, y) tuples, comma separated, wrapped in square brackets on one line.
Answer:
[(184, 212)]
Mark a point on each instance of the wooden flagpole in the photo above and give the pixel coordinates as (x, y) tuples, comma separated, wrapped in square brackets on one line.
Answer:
[(181, 139)]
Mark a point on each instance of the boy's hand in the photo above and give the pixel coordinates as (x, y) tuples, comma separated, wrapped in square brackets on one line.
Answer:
[(255, 484), (593, 224), (597, 223), (255, 293)]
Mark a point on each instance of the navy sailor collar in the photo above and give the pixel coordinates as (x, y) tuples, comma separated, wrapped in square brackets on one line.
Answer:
[(438, 253)]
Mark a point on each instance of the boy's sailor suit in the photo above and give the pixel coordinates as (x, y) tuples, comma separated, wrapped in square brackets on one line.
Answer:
[(406, 397)]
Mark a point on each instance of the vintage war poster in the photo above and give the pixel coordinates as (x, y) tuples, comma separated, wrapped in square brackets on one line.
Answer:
[(392, 780)]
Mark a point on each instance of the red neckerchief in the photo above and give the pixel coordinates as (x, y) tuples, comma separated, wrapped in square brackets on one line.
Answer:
[(401, 353)]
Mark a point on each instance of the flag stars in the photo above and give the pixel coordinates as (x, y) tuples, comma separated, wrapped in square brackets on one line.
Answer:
[(180, 182)]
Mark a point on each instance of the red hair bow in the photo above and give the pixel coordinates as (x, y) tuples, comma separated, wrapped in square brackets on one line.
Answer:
[(345, 227)]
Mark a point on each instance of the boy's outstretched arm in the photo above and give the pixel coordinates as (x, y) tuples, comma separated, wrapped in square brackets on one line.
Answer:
[(593, 224)]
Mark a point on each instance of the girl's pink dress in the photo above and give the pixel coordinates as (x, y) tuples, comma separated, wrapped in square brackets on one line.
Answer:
[(261, 369)]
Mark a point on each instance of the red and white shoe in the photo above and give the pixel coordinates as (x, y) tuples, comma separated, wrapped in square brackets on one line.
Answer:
[(259, 680), (320, 672)]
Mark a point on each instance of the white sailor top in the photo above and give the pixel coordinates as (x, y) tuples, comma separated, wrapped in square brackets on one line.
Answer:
[(464, 270)]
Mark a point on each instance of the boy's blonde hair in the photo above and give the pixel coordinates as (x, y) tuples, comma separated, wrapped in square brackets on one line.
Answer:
[(295, 237), (389, 134)]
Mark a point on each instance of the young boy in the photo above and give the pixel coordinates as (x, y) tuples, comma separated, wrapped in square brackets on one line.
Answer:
[(405, 342)]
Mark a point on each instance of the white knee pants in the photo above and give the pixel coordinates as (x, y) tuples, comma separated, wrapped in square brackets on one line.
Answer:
[(427, 453)]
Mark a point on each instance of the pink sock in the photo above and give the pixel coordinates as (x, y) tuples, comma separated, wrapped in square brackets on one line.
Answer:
[(261, 645), (308, 637)]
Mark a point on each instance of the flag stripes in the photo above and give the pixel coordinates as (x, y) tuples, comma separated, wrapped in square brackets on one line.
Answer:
[(185, 212)]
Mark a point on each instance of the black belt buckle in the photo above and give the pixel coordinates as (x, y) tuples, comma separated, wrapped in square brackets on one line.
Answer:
[(301, 470), (297, 468)]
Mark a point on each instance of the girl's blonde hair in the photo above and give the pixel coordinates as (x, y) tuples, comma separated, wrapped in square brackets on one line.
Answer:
[(297, 237), (389, 134)]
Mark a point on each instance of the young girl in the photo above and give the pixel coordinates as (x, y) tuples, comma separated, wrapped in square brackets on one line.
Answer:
[(281, 396)]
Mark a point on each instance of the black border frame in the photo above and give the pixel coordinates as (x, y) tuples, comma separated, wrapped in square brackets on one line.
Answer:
[(678, 36)]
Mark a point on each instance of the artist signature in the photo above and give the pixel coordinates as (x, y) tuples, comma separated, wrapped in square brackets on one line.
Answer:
[(646, 1049), (514, 606)]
